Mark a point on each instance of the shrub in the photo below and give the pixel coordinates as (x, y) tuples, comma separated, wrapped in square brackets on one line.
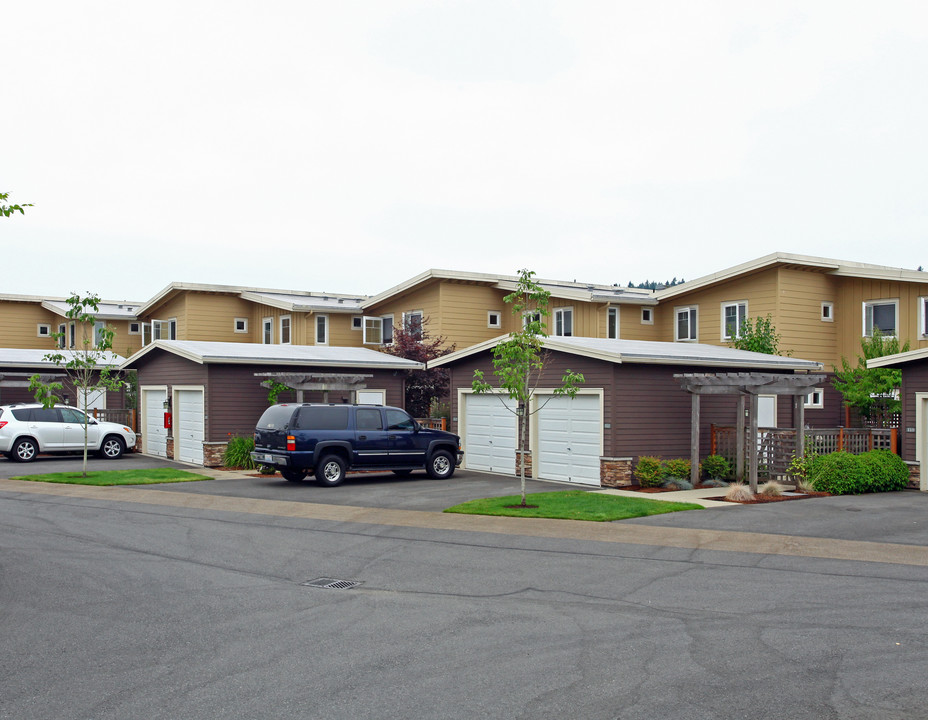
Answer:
[(715, 482), (739, 492), (839, 473), (771, 489), (675, 483), (267, 470), (885, 471), (649, 472), (238, 453), (677, 468), (716, 466)]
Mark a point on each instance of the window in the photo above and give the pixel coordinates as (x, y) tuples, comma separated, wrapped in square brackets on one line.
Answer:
[(62, 336), (284, 330), (267, 331), (164, 329), (378, 330), (398, 420), (815, 399), (882, 315), (532, 317), (240, 325), (357, 322), (135, 328), (923, 316), (368, 419), (322, 329), (647, 316), (564, 322), (72, 334), (412, 323), (612, 323), (98, 327), (44, 330), (686, 323), (733, 315), (494, 319), (828, 312)]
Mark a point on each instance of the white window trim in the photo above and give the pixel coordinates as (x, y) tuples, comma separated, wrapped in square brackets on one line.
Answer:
[(62, 336), (690, 309), (610, 312), (831, 312), (812, 404), (375, 322), (243, 321), (923, 316), (138, 328), (325, 329), (392, 325), (879, 301), (737, 304), (528, 315), (280, 329), (43, 330), (411, 314), (357, 322), (559, 314), (172, 329), (499, 319), (267, 338), (650, 319)]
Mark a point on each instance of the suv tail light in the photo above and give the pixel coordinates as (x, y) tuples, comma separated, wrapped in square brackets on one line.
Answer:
[(291, 442), (2, 424)]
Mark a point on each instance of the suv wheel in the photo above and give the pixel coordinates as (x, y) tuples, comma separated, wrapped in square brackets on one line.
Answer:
[(330, 471), (25, 450), (292, 475), (441, 465), (111, 448)]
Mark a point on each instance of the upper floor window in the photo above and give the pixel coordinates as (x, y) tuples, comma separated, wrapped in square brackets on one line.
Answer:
[(828, 312), (685, 323), (72, 335), (612, 323), (44, 330), (647, 316), (322, 329), (62, 336), (267, 331), (564, 322), (98, 327), (494, 319), (882, 315), (412, 323), (532, 317), (164, 329), (357, 322), (378, 330), (733, 316), (240, 325), (284, 329), (135, 328), (923, 316)]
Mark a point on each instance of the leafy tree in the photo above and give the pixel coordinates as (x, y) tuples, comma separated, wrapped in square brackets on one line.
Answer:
[(7, 210), (758, 335), (423, 387), (874, 392), (519, 362), (89, 367)]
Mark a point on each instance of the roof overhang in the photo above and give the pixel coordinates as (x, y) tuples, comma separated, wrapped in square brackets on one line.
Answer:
[(898, 359)]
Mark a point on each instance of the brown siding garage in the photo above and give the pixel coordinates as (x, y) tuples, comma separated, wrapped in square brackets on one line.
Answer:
[(215, 389), (642, 408)]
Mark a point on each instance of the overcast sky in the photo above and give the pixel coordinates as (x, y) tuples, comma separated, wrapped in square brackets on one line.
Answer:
[(346, 146)]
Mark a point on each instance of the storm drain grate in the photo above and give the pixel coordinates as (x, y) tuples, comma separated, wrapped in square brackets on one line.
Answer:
[(331, 583)]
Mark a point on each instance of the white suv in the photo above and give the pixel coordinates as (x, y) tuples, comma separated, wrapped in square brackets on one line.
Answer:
[(26, 429)]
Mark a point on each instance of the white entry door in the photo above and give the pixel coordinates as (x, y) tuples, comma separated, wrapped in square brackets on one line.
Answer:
[(489, 434), (188, 426), (154, 433), (569, 439)]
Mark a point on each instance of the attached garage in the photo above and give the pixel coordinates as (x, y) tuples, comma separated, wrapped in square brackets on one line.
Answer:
[(488, 433), (629, 405), (214, 390)]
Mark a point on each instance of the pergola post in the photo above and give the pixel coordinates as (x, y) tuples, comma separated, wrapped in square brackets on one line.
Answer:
[(694, 439), (753, 435), (739, 440), (799, 413)]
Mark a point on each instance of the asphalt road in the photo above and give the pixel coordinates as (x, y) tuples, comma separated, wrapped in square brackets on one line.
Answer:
[(118, 609)]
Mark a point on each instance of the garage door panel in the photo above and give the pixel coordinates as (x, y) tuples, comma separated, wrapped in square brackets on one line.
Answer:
[(190, 426), (569, 439), (156, 435), (489, 434)]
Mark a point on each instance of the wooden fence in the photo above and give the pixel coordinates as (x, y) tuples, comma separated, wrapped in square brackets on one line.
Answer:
[(433, 423), (123, 416), (776, 447)]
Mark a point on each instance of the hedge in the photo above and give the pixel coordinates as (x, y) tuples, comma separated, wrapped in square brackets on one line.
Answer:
[(841, 473)]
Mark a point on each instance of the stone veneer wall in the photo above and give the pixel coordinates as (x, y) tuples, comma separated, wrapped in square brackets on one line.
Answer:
[(615, 472), (528, 463), (213, 453), (169, 447), (914, 475)]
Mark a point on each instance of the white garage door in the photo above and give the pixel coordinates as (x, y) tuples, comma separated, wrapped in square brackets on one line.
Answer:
[(489, 434), (188, 426), (569, 439), (156, 436)]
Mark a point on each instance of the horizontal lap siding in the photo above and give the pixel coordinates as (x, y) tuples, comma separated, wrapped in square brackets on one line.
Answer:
[(427, 299), (464, 310), (799, 323), (854, 292), (19, 323), (631, 327)]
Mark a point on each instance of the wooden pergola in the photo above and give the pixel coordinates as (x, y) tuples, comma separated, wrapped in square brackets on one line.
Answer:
[(746, 385), (323, 382)]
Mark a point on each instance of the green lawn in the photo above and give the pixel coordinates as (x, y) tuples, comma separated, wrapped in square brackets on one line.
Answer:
[(572, 505), (118, 477)]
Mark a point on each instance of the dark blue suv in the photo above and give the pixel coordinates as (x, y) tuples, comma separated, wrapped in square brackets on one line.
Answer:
[(329, 440)]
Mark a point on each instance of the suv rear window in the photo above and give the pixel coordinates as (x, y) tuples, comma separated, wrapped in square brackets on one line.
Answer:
[(323, 418), (276, 417), (36, 415)]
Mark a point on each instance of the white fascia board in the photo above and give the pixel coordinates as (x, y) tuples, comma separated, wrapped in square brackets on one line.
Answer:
[(898, 358), (12, 297), (270, 302), (60, 308), (472, 350)]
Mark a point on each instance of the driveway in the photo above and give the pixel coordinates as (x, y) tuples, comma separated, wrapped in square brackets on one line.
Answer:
[(73, 463)]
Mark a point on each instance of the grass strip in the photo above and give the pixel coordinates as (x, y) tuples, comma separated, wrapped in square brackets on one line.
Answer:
[(118, 477), (571, 505)]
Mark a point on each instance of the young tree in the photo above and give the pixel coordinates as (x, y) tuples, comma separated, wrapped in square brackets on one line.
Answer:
[(519, 362), (873, 391), (7, 210), (88, 367), (758, 335), (412, 342)]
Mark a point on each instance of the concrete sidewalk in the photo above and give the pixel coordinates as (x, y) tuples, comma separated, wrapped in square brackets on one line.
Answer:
[(697, 497)]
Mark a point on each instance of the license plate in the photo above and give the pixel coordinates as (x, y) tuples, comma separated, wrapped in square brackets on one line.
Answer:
[(268, 458)]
